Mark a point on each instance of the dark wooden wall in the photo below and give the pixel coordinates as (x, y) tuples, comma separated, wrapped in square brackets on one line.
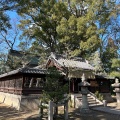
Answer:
[(11, 84)]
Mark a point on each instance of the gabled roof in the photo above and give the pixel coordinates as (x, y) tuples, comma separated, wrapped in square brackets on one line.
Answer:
[(77, 63), (73, 68)]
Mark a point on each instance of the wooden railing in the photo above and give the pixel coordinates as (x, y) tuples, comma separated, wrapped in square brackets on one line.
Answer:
[(19, 91)]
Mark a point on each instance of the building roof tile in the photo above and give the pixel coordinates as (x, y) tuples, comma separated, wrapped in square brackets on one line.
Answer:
[(25, 70)]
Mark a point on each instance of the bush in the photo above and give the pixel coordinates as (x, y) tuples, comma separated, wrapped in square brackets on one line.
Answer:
[(99, 96)]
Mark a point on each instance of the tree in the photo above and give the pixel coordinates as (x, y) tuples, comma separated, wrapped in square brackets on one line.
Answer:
[(9, 37), (6, 5), (115, 68), (73, 26), (4, 19), (41, 19), (3, 67), (97, 63), (54, 89), (109, 53), (91, 20)]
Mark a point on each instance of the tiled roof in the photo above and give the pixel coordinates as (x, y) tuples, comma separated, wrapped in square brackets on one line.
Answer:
[(25, 70), (36, 71), (75, 64)]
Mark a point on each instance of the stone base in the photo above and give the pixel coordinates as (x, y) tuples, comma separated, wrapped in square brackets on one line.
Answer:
[(20, 102)]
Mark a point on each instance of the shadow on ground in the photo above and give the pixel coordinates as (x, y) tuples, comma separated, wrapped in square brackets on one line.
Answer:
[(8, 113), (74, 114)]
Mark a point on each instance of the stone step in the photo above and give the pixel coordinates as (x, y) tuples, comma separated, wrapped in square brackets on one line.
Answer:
[(95, 105), (91, 101), (87, 97)]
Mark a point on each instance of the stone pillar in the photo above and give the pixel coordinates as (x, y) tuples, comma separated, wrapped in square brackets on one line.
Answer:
[(84, 91), (116, 85), (50, 110), (84, 101)]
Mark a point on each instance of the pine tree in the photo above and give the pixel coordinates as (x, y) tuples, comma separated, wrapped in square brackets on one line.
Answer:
[(54, 89), (115, 68), (97, 63), (109, 53), (4, 18), (60, 26)]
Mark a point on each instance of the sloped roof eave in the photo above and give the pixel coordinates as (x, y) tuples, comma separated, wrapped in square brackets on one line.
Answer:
[(24, 70)]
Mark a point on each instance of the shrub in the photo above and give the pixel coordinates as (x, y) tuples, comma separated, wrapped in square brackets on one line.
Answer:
[(99, 96)]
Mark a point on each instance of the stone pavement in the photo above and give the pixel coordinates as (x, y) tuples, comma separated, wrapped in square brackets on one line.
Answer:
[(108, 110), (8, 113)]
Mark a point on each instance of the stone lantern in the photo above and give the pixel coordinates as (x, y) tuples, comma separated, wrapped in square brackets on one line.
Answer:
[(116, 85), (84, 91)]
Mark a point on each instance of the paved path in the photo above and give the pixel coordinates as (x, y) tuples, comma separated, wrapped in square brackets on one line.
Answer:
[(107, 110), (8, 113)]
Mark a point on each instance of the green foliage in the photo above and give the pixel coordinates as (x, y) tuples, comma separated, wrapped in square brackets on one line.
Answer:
[(54, 89), (4, 18), (13, 62), (108, 54), (99, 96), (115, 68), (41, 19), (3, 66), (65, 26), (95, 61)]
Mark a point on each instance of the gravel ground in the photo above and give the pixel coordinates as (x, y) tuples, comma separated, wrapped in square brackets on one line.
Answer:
[(8, 113)]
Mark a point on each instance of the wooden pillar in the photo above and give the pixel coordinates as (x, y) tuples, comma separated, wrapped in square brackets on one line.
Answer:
[(37, 83), (31, 82)]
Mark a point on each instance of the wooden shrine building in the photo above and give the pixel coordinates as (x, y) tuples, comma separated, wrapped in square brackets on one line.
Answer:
[(22, 86), (74, 68)]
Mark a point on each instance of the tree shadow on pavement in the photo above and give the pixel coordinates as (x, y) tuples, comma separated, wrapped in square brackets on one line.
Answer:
[(7, 112)]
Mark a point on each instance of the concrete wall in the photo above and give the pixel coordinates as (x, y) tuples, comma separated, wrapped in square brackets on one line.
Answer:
[(29, 102), (10, 99), (20, 102)]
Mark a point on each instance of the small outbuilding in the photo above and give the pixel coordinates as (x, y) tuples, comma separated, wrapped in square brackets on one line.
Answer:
[(22, 87)]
